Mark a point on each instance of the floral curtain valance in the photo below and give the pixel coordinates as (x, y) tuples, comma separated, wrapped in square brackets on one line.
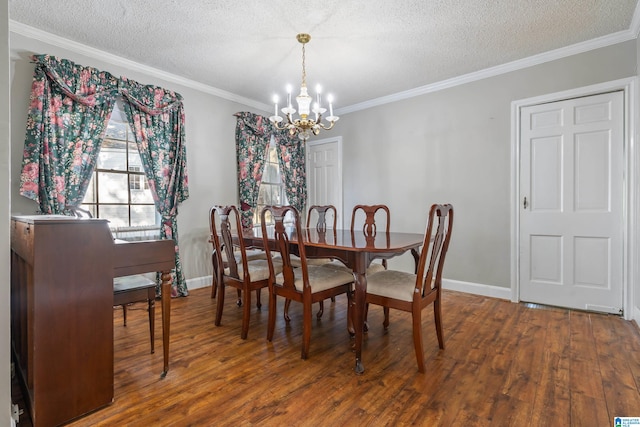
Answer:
[(253, 134), (69, 109)]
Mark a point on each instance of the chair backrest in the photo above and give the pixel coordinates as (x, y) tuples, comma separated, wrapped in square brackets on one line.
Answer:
[(321, 213), (434, 248), (226, 235), (281, 243), (369, 225)]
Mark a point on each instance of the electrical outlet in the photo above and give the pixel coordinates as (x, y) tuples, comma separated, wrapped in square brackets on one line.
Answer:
[(15, 414)]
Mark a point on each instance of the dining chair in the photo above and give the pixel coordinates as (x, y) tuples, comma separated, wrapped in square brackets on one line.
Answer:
[(373, 215), (252, 255), (413, 292), (232, 270), (307, 284), (323, 215), (368, 217), (320, 213), (128, 290)]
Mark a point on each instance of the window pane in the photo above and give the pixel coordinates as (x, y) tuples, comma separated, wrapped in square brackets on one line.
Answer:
[(273, 155), (90, 208), (270, 174), (270, 194), (141, 194), (112, 188), (118, 216), (116, 130), (261, 198), (112, 155), (266, 188), (134, 156), (143, 215), (90, 195), (268, 217)]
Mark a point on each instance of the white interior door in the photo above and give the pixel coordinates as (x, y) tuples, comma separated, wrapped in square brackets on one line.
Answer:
[(571, 203), (324, 174)]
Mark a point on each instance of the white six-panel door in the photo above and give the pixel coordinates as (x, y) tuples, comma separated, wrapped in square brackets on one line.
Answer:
[(571, 203), (324, 174)]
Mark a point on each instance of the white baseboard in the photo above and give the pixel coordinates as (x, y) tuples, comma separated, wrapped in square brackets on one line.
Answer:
[(453, 285), (199, 282), (636, 315), (477, 289)]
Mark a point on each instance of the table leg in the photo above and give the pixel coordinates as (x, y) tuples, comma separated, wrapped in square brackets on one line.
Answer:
[(358, 317), (166, 318)]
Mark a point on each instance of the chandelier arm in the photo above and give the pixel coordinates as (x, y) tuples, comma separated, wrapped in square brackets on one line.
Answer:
[(323, 126), (277, 125)]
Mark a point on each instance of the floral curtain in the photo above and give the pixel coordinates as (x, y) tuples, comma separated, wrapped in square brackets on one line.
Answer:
[(253, 134), (156, 117), (291, 156), (70, 107), (69, 110)]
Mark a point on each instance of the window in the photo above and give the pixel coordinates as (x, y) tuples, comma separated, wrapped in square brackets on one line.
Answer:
[(119, 190), (272, 187), (137, 182)]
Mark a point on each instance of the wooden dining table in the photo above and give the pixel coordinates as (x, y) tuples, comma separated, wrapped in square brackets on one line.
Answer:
[(356, 250)]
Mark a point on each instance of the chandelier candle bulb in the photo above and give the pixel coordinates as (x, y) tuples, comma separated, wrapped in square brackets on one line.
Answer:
[(330, 101)]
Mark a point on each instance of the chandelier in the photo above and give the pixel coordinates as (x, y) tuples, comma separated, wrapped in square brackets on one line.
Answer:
[(304, 126)]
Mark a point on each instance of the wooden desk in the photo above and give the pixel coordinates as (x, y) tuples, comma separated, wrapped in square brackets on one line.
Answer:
[(62, 271), (356, 251)]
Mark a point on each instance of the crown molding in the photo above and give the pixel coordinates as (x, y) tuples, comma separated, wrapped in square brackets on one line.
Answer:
[(552, 55), (43, 36), (619, 37)]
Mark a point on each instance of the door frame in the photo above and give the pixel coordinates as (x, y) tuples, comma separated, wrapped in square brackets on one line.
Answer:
[(338, 141), (630, 178)]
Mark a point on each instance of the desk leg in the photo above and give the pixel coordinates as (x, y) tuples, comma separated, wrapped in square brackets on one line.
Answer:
[(358, 317), (166, 318)]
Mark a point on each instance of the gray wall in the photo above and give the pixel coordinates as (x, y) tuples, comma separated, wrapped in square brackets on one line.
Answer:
[(455, 146)]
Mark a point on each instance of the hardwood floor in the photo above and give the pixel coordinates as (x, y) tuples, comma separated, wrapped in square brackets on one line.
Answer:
[(504, 364)]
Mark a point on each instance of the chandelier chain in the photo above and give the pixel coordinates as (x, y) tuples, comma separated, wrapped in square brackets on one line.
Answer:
[(304, 70)]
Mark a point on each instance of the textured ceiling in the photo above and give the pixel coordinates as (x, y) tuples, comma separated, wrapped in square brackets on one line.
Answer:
[(360, 50)]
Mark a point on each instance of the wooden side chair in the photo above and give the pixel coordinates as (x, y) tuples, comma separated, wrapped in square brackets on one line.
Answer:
[(368, 217), (325, 218), (413, 292), (237, 272), (307, 284), (320, 213), (373, 216), (128, 290), (252, 255)]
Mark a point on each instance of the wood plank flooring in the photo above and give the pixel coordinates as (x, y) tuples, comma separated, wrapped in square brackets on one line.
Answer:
[(504, 364)]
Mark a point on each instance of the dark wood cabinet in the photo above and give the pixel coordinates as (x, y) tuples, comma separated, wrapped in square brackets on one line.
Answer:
[(61, 315)]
